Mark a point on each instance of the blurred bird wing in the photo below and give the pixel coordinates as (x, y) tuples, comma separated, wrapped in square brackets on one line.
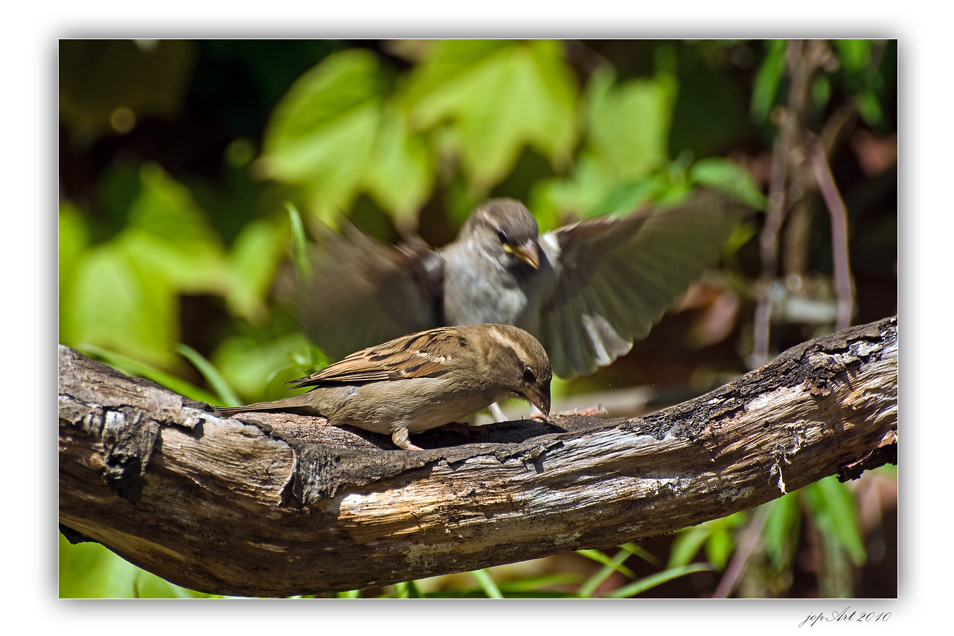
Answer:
[(363, 292), (429, 354), (617, 276)]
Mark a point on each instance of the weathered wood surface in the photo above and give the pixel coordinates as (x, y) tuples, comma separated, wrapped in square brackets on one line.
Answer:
[(279, 504)]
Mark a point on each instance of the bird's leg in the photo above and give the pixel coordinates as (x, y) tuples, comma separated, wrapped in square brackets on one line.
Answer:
[(399, 437), (537, 414), (497, 412)]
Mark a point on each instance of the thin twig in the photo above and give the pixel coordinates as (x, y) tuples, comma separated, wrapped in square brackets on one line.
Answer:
[(844, 285), (750, 540), (768, 245)]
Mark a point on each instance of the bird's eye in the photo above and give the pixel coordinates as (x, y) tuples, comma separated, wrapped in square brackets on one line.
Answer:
[(503, 236), (529, 375)]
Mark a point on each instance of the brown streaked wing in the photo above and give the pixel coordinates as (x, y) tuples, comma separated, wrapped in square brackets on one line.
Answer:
[(418, 355)]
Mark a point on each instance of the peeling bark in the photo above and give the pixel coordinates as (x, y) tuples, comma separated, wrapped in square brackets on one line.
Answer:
[(276, 504)]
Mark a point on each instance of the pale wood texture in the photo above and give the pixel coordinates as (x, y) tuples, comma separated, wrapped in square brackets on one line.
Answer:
[(273, 504)]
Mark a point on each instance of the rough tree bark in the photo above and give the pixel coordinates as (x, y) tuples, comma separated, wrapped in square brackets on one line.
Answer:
[(279, 504)]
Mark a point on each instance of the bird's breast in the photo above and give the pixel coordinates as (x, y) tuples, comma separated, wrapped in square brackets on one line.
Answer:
[(476, 293)]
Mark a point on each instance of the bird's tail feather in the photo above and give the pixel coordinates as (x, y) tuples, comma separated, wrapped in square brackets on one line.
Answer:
[(291, 402)]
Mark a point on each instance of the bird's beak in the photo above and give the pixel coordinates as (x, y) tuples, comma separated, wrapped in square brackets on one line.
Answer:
[(539, 397), (526, 252)]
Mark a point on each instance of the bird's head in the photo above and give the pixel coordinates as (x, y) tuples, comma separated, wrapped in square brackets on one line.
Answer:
[(507, 230), (519, 364)]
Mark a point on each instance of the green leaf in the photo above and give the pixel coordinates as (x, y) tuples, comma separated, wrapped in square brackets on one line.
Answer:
[(687, 544), (626, 143), (719, 547), (256, 364), (628, 124), (781, 530), (252, 264), (730, 177), (869, 107), (170, 236), (116, 305), (768, 79), (833, 510), (628, 197), (74, 240), (498, 97), (640, 586), (400, 173), (89, 570), (321, 134), (486, 583), (855, 54), (148, 585)]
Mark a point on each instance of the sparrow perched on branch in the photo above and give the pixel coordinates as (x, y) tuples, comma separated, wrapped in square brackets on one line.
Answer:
[(422, 381), (586, 291)]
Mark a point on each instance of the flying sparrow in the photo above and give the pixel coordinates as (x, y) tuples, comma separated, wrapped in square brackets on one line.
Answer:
[(422, 381), (586, 290)]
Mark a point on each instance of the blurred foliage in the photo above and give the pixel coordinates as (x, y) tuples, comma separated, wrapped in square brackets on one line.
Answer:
[(191, 170)]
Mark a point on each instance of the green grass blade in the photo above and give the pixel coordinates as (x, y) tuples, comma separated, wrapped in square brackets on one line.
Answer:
[(635, 550), (687, 544), (299, 251), (599, 557), (133, 367), (211, 374), (610, 565), (651, 581), (487, 583), (534, 583), (349, 594)]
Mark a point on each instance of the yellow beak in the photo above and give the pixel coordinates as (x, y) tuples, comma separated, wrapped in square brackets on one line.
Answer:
[(526, 252)]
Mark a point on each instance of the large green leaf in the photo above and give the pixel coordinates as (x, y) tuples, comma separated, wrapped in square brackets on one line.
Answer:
[(628, 124), (400, 173), (322, 133), (116, 304), (89, 570), (729, 176), (257, 364), (122, 295), (781, 530), (252, 263), (170, 236), (626, 144), (74, 239), (833, 510), (498, 97)]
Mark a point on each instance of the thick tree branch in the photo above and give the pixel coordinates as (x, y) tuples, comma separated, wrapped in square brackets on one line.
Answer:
[(279, 504)]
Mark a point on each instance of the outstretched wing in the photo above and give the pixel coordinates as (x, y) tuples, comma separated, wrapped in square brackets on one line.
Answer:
[(617, 276), (363, 292), (420, 355)]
